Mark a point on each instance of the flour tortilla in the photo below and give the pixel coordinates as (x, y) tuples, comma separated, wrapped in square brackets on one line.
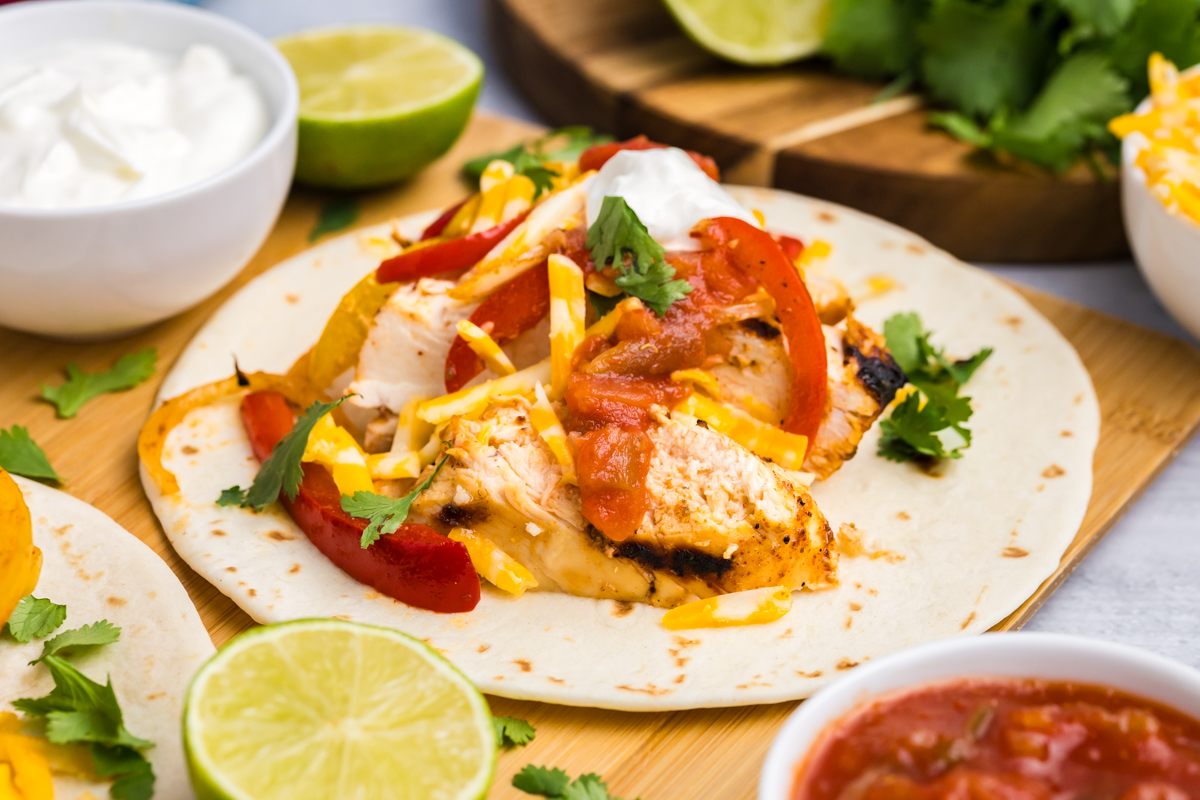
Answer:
[(963, 549), (99, 571)]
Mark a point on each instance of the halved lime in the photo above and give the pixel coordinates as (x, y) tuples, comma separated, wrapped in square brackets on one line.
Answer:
[(754, 32), (319, 709), (378, 103)]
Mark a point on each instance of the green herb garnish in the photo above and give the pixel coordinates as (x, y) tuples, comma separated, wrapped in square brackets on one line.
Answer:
[(511, 732), (386, 515), (529, 158), (35, 618), (557, 785), (338, 214), (616, 233), (80, 711), (930, 422), (69, 643), (282, 470), (130, 370), (20, 455)]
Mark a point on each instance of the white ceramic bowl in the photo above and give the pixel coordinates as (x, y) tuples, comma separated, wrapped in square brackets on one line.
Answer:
[(102, 271), (1166, 245), (1049, 656)]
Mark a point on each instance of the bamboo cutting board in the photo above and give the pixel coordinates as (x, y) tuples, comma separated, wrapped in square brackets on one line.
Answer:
[(625, 67), (1148, 386)]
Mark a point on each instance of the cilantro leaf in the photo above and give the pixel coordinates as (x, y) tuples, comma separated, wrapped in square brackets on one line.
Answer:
[(912, 432), (1165, 26), (282, 471), (80, 710), (1099, 17), (511, 731), (873, 38), (386, 515), (130, 370), (541, 780), (979, 58), (35, 618), (20, 455), (618, 232), (587, 787), (338, 214), (233, 496), (135, 776), (70, 642)]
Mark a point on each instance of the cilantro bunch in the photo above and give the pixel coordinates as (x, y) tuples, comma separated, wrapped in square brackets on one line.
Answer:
[(529, 158), (930, 422), (1036, 79)]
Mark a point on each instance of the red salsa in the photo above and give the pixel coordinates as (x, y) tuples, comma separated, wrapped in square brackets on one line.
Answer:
[(996, 739)]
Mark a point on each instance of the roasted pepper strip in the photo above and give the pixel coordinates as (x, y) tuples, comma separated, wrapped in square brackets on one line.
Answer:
[(342, 339), (596, 156), (763, 259), (438, 225), (153, 436), (452, 255), (512, 309), (20, 561), (415, 565)]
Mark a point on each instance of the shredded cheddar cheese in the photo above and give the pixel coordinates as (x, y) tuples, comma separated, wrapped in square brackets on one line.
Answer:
[(568, 310), (548, 426), (332, 446), (486, 348), (498, 567), (751, 607), (766, 441)]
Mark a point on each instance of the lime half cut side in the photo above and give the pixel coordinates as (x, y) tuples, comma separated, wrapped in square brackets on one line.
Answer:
[(378, 103), (319, 709), (754, 32)]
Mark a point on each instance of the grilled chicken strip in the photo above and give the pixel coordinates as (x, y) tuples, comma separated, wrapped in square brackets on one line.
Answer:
[(720, 519), (863, 379)]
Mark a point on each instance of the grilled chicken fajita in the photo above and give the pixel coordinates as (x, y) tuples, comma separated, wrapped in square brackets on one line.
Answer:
[(601, 377)]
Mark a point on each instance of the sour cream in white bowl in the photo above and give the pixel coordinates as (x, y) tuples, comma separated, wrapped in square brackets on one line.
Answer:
[(1165, 243), (1049, 657), (146, 150)]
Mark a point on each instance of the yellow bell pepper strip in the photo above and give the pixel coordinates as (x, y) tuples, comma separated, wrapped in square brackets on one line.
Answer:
[(333, 447), (8, 791), (31, 773), (153, 436), (568, 312), (766, 441), (20, 560), (9, 723), (498, 567), (548, 426), (486, 348), (751, 607), (410, 451), (63, 759), (337, 349)]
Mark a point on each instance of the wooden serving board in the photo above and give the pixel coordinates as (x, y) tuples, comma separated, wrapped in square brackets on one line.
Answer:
[(625, 67), (1147, 383)]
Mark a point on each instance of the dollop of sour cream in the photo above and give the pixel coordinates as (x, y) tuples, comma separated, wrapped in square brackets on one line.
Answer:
[(667, 191), (91, 123)]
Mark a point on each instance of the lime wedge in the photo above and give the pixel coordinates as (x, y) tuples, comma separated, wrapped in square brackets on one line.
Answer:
[(378, 103), (754, 32), (319, 709)]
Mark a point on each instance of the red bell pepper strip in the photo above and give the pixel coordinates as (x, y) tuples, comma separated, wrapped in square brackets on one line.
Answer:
[(415, 565), (452, 255), (763, 259), (596, 155), (512, 309), (438, 225), (792, 247)]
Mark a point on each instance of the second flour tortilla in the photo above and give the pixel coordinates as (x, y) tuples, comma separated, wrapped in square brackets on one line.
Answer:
[(953, 553)]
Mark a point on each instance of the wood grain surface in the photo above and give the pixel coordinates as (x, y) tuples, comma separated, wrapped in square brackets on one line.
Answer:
[(1148, 385), (625, 67)]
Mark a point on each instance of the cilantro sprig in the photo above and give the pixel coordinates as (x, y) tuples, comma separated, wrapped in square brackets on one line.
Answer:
[(555, 784), (20, 455), (385, 514), (282, 470), (80, 711), (72, 642), (1035, 79), (617, 233), (529, 158), (35, 618), (512, 732), (930, 422), (130, 370)]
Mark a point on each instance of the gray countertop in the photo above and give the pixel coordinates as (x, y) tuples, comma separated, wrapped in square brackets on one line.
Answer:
[(1137, 586)]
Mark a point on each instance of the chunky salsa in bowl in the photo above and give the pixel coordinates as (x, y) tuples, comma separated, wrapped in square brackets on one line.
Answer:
[(1009, 717)]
